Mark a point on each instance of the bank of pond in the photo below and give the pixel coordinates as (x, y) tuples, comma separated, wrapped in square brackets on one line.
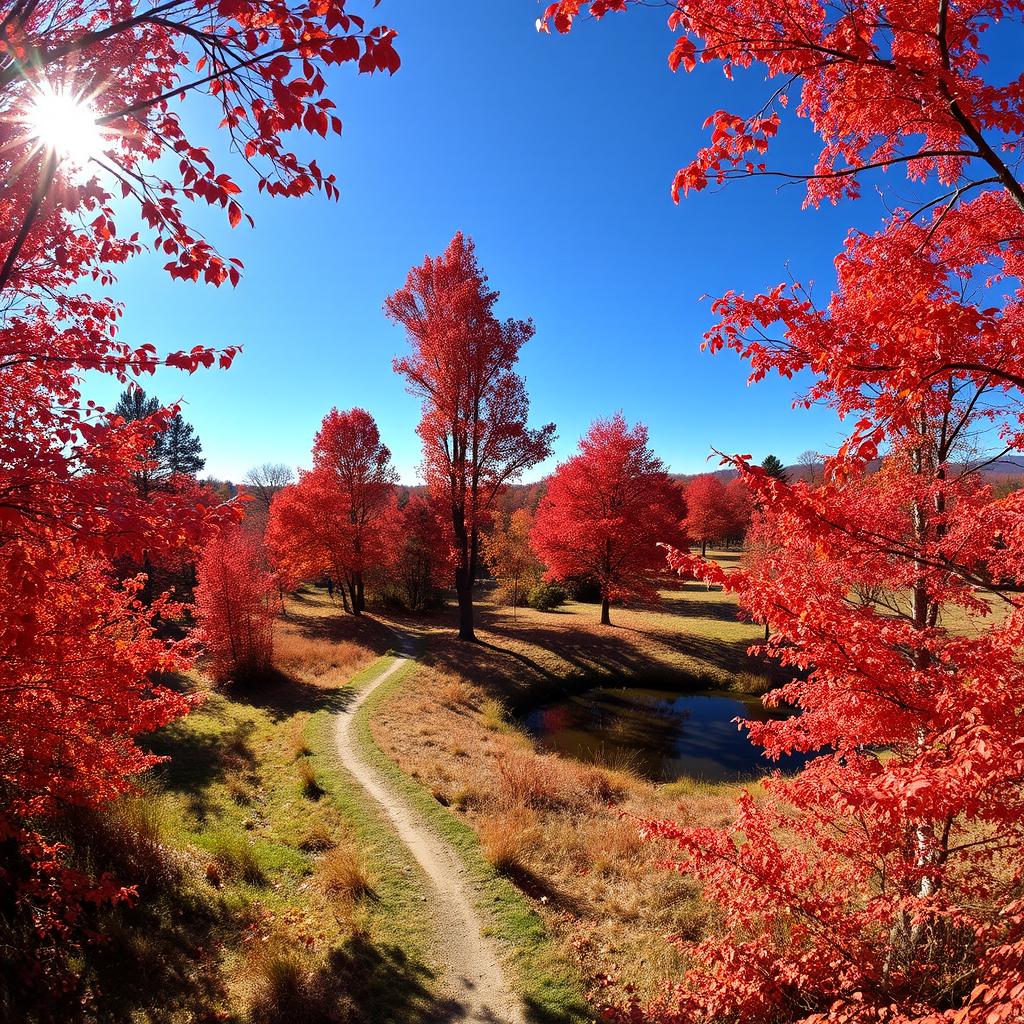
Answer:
[(662, 734)]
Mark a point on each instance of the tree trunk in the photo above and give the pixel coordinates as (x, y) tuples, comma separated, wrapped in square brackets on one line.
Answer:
[(703, 547), (606, 619), (359, 595), (464, 589)]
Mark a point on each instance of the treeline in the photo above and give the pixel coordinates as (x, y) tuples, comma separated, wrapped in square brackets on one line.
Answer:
[(594, 526)]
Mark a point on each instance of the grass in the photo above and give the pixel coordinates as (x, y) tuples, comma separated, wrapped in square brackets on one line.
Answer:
[(342, 873), (550, 991), (256, 903), (506, 838), (691, 638), (565, 834)]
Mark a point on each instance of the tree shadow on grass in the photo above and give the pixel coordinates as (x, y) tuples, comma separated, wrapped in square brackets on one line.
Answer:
[(695, 608), (341, 627), (538, 888), (196, 760), (281, 695), (589, 655), (380, 982), (162, 962), (367, 983), (159, 960)]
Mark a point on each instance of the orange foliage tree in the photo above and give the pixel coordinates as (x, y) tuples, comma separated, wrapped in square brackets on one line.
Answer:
[(474, 424), (508, 552), (606, 511)]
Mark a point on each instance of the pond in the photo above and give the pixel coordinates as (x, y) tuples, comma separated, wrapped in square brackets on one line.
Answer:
[(659, 734)]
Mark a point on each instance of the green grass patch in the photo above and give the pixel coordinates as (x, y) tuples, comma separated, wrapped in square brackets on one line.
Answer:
[(551, 992), (249, 931)]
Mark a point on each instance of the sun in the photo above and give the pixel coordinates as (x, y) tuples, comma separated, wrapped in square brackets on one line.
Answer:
[(65, 124)]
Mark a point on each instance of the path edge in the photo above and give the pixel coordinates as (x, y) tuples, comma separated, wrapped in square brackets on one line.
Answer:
[(524, 944)]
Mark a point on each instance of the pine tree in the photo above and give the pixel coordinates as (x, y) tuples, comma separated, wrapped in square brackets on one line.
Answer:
[(176, 449), (773, 466), (179, 448)]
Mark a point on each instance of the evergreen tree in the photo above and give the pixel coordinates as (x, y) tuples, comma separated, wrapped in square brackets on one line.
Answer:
[(176, 449), (179, 448), (773, 467)]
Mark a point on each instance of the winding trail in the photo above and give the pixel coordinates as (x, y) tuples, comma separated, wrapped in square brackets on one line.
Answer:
[(474, 983)]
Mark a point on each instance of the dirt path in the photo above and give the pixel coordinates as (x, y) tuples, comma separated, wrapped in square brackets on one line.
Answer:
[(473, 979)]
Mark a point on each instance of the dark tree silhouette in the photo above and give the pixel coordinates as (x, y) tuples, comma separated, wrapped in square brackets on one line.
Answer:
[(773, 467), (175, 450)]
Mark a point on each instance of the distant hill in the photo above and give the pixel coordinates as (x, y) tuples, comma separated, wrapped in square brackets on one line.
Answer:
[(1008, 469)]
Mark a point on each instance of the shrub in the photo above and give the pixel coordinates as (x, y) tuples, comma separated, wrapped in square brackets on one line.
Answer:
[(507, 837), (753, 683), (236, 602), (286, 986), (342, 873), (127, 838), (546, 596), (600, 785), (297, 738)]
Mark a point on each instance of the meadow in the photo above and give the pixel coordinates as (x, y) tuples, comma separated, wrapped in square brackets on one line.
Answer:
[(270, 884)]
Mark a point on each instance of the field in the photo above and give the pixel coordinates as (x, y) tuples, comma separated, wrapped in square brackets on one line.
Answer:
[(269, 889), (272, 887), (565, 832)]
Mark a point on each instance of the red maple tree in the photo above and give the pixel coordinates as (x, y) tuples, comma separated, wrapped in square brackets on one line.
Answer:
[(424, 557), (341, 519), (237, 602), (605, 513), (87, 90), (708, 510), (475, 407), (883, 881)]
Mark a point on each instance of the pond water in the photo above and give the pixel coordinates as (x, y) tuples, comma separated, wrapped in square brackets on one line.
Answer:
[(662, 735)]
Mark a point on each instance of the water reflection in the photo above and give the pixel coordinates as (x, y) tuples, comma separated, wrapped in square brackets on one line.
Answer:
[(659, 734)]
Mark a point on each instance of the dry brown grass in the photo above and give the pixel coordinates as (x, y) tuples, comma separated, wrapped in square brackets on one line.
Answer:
[(567, 832), (286, 985), (318, 837), (507, 837), (316, 644), (297, 738), (310, 658), (342, 873), (234, 858), (454, 692), (526, 779), (308, 782)]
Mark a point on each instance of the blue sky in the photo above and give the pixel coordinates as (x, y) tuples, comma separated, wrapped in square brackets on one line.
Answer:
[(556, 154)]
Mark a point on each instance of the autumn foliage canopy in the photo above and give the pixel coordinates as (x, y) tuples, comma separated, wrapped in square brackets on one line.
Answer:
[(475, 407), (341, 520), (237, 601), (882, 883), (605, 512), (78, 648)]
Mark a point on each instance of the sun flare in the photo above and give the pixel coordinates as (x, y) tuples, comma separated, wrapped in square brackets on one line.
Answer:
[(66, 124)]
